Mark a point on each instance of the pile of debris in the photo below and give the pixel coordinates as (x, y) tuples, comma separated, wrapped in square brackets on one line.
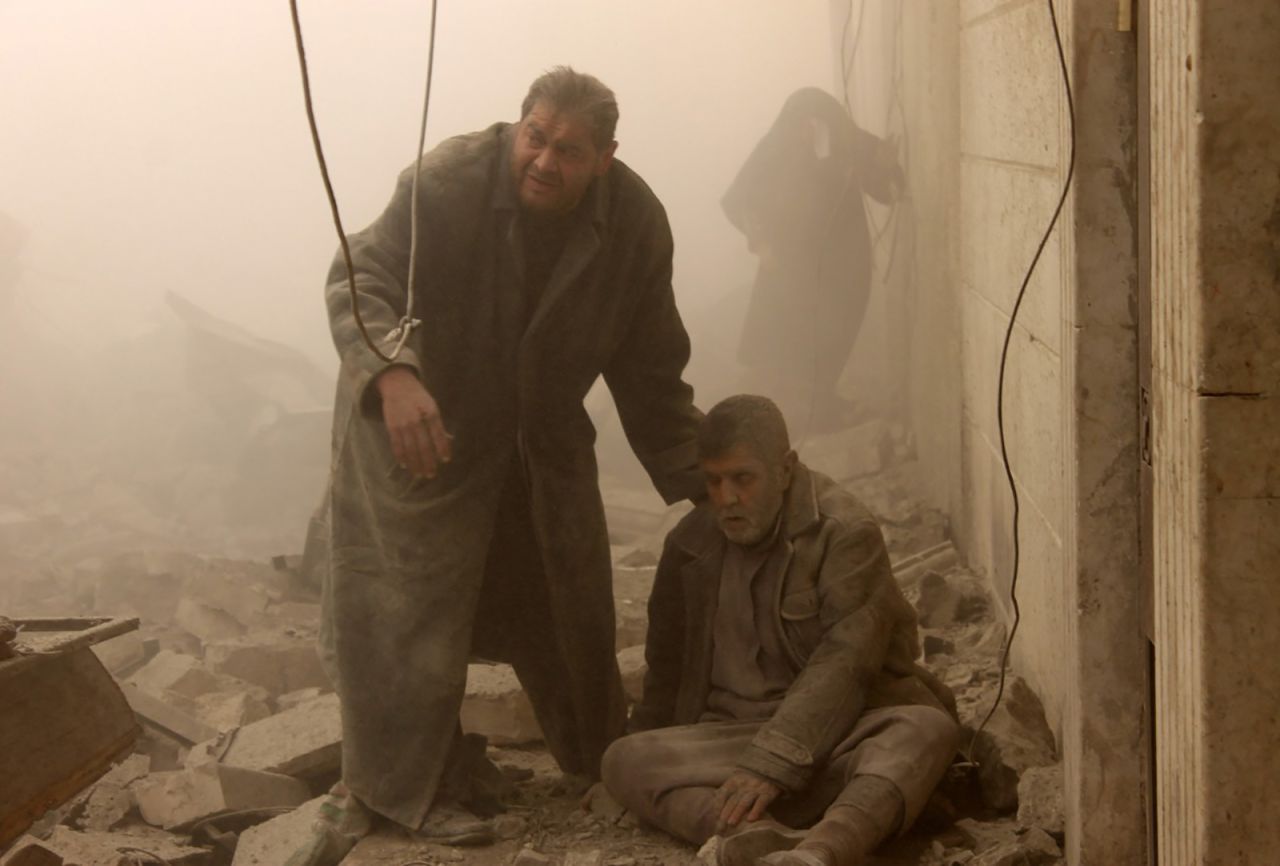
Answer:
[(241, 732)]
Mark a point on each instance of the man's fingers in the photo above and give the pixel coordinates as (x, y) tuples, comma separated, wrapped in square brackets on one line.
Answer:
[(759, 807), (441, 441), (741, 807), (424, 450)]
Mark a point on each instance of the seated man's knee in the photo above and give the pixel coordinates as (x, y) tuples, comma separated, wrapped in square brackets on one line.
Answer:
[(934, 731), (619, 764)]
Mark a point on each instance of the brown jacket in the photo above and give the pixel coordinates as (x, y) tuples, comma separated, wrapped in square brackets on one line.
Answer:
[(849, 634)]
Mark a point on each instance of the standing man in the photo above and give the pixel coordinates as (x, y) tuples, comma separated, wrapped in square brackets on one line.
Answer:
[(465, 514), (782, 687)]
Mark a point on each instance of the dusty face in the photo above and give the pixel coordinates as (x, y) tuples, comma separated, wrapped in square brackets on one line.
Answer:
[(554, 160), (746, 492)]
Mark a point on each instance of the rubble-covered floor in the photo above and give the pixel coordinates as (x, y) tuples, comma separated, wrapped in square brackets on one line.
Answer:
[(239, 717)]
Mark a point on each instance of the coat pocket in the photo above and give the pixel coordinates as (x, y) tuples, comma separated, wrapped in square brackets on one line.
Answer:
[(800, 620)]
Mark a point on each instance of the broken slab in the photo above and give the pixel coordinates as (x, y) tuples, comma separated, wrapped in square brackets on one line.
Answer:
[(1016, 739), (207, 622), (849, 454), (633, 667), (292, 699), (124, 655), (109, 801), (497, 707), (305, 742), (1040, 800), (67, 847), (277, 663), (272, 842), (181, 797), (174, 672)]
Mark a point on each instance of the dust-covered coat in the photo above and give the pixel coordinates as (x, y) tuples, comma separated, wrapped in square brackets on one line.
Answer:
[(505, 553), (849, 634)]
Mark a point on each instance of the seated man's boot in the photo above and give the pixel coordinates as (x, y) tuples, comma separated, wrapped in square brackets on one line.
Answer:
[(748, 844)]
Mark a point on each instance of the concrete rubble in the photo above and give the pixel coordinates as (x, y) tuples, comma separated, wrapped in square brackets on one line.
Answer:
[(180, 798), (240, 718)]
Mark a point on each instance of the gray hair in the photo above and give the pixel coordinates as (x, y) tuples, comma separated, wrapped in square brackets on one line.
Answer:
[(745, 419), (577, 93)]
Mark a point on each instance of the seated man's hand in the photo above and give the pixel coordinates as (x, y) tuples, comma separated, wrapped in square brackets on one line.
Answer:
[(744, 796)]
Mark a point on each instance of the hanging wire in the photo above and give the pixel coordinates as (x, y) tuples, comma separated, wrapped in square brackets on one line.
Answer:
[(1004, 359), (400, 333)]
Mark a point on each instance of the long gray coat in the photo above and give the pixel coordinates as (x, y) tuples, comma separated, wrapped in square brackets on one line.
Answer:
[(505, 553)]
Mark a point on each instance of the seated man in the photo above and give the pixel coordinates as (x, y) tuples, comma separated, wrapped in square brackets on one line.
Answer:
[(783, 652)]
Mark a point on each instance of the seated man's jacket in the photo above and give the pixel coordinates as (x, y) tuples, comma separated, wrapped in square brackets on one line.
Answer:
[(849, 634)]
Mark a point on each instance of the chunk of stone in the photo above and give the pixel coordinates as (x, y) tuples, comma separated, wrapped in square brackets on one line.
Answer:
[(110, 800), (849, 454), (1016, 739), (599, 802), (1033, 848), (305, 741), (632, 623), (938, 601), (30, 851), (1040, 799), (527, 856), (593, 857), (127, 652), (277, 663), (181, 797), (206, 621), (936, 645), (114, 849), (633, 667), (233, 706), (496, 706), (174, 672), (273, 842), (301, 696)]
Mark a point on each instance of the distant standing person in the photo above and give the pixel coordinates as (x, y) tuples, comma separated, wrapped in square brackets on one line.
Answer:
[(798, 201), (465, 512)]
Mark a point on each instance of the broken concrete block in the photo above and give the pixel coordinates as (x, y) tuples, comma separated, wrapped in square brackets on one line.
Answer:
[(272, 843), (231, 707), (594, 857), (599, 802), (173, 672), (496, 706), (278, 664), (936, 606), (110, 800), (114, 849), (1016, 739), (123, 655), (633, 667), (181, 797), (847, 454), (292, 699), (305, 741), (1040, 800), (1034, 848), (207, 622), (528, 856), (30, 851), (936, 645)]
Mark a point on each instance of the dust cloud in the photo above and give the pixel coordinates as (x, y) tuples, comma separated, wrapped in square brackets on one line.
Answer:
[(167, 370)]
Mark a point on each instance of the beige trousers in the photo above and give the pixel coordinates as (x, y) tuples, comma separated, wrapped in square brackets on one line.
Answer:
[(668, 777)]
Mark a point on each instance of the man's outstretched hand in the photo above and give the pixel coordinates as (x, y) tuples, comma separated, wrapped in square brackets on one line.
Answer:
[(418, 438), (744, 796)]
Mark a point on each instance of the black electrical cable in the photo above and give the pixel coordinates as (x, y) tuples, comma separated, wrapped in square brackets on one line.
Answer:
[(400, 334), (1004, 359)]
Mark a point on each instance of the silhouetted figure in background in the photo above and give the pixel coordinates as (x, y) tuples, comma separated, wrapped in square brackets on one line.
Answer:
[(798, 200)]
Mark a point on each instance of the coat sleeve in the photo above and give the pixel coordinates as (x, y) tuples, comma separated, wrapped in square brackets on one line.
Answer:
[(877, 171), (663, 647), (380, 255), (860, 604), (645, 377)]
